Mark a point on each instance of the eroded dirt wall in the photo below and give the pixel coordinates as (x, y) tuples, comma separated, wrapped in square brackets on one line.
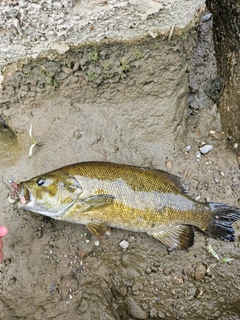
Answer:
[(140, 85), (226, 29)]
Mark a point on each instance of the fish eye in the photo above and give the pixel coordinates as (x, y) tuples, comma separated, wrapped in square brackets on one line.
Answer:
[(40, 182)]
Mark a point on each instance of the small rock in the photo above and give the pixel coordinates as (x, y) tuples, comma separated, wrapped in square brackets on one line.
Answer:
[(188, 148), (124, 244), (153, 313), (198, 293), (206, 148), (161, 315), (200, 271), (136, 288), (169, 165), (148, 270), (207, 17), (135, 310), (198, 155), (97, 243), (144, 306)]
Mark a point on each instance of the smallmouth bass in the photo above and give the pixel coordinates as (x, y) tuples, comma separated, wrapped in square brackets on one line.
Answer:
[(101, 194)]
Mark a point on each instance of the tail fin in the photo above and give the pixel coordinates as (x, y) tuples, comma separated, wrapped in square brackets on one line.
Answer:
[(223, 217)]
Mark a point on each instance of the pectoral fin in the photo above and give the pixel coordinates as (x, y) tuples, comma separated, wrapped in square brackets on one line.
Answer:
[(97, 229), (97, 202), (177, 237)]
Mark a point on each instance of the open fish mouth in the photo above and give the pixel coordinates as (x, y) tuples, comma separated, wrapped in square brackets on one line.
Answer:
[(20, 193), (23, 194)]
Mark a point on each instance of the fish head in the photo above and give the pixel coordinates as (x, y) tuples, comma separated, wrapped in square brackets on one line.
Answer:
[(51, 194)]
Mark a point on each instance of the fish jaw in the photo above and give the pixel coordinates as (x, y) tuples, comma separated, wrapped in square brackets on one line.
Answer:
[(31, 198), (27, 201)]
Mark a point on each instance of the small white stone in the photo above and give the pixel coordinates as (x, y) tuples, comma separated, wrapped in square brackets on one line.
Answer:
[(198, 155), (97, 243), (124, 244), (206, 148)]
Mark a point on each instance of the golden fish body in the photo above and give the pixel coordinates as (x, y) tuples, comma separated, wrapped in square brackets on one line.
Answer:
[(101, 194)]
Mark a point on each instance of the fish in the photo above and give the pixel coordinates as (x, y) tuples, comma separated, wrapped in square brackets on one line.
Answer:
[(104, 194)]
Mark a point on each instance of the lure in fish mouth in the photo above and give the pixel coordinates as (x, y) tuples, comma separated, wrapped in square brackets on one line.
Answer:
[(102, 194), (50, 196)]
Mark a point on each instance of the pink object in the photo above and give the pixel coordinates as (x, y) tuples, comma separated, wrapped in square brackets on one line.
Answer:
[(3, 231)]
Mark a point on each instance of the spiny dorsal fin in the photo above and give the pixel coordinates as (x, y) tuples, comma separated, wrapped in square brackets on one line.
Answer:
[(177, 237), (97, 229), (174, 180)]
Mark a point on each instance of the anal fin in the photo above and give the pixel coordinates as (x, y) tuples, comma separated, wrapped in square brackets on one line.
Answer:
[(97, 229), (177, 237)]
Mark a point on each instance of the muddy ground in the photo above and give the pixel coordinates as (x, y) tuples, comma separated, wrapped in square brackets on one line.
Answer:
[(57, 270)]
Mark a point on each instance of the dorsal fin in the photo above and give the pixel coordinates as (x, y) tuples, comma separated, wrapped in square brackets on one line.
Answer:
[(174, 180)]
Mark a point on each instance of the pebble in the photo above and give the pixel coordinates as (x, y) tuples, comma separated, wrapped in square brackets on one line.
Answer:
[(124, 244), (135, 310), (144, 306), (188, 148), (206, 148), (77, 134), (169, 165), (153, 313), (200, 271), (198, 293), (161, 315), (148, 270), (97, 243), (207, 17), (198, 155)]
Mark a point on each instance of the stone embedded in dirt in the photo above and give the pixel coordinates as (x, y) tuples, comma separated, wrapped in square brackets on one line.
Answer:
[(188, 148), (207, 17), (206, 148), (124, 244), (200, 271), (199, 293), (135, 310)]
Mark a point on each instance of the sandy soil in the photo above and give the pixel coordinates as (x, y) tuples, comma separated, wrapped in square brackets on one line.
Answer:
[(57, 270)]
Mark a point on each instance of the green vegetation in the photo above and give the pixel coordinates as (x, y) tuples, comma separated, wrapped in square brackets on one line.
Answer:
[(52, 81), (125, 66), (137, 55), (92, 75), (94, 54)]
